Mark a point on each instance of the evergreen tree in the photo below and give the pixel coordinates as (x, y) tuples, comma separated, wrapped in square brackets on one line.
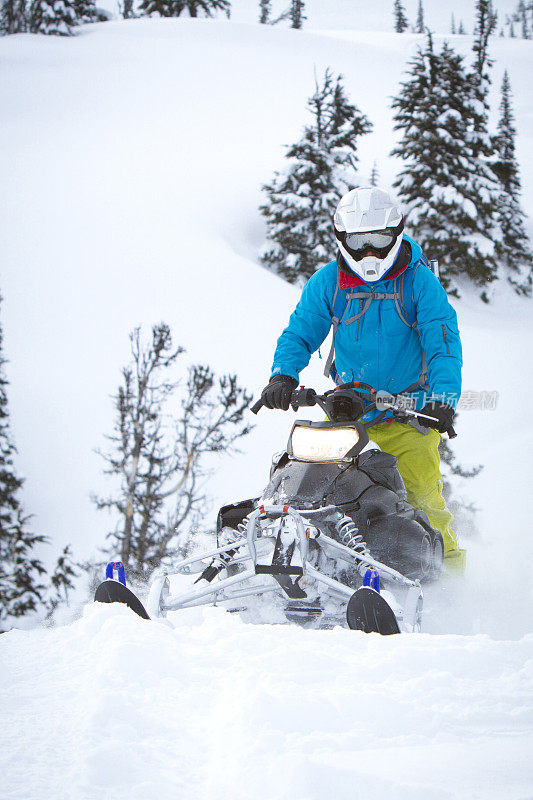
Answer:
[(453, 28), (264, 6), (439, 183), (420, 26), (175, 8), (126, 9), (53, 17), (400, 20), (522, 14), (461, 30), (464, 511), (486, 21), (13, 17), (21, 572), (302, 199), (61, 581), (297, 13), (85, 11), (513, 250), (374, 175), (480, 142)]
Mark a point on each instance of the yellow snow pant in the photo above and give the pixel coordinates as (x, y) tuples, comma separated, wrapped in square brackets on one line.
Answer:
[(419, 465)]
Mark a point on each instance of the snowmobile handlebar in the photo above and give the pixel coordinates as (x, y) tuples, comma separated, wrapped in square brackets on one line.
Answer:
[(350, 402)]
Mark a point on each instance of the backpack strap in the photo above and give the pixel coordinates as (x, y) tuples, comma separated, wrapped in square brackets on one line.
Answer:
[(409, 318), (335, 321)]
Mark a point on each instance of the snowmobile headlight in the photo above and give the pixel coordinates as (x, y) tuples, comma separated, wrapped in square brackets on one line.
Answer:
[(322, 444)]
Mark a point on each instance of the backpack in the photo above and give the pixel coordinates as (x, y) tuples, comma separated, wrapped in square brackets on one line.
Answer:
[(404, 302)]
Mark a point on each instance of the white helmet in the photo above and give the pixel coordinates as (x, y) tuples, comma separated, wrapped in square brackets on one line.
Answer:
[(368, 226)]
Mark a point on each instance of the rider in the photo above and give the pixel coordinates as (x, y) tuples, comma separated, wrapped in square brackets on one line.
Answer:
[(393, 328)]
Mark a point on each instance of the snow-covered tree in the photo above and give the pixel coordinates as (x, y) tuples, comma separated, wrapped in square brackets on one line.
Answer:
[(374, 175), (85, 11), (13, 16), (297, 13), (480, 142), (513, 250), (264, 9), (486, 22), (126, 9), (453, 29), (321, 167), (420, 25), (53, 17), (462, 29), (442, 180), (22, 575), (24, 585), (61, 581), (175, 8), (453, 476), (522, 18), (159, 459), (400, 19)]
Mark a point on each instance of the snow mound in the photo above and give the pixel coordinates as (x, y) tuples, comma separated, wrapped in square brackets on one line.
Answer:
[(116, 707)]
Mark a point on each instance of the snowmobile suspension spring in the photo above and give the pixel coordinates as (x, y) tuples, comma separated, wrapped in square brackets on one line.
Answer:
[(349, 534)]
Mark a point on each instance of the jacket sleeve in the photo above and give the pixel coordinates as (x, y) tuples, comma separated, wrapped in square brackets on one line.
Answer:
[(439, 332), (309, 324)]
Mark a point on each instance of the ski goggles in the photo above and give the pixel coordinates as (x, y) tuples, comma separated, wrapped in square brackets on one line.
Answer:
[(373, 239), (380, 242)]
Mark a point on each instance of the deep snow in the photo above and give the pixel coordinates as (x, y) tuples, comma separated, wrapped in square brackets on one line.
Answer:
[(123, 709), (132, 160)]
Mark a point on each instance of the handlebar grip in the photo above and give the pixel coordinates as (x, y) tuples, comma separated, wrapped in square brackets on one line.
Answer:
[(257, 406)]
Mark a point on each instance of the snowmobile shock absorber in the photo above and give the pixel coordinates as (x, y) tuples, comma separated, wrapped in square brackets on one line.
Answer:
[(119, 567), (349, 534)]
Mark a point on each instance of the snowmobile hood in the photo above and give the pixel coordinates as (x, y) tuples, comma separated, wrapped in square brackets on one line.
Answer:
[(305, 485)]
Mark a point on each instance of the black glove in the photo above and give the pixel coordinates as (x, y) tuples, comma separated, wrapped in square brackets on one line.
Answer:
[(278, 392), (443, 413)]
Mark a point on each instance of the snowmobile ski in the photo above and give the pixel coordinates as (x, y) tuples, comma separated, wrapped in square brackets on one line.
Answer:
[(111, 591), (369, 612)]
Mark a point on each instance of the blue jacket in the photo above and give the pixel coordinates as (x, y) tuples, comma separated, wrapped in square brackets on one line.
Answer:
[(379, 349)]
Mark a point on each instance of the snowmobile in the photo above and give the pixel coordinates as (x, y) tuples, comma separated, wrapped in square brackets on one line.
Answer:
[(332, 539)]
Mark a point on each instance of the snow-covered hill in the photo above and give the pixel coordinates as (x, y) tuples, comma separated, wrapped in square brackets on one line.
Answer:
[(132, 161), (133, 157)]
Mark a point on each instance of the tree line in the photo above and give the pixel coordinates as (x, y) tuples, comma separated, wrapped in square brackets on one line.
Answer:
[(518, 23), (60, 17)]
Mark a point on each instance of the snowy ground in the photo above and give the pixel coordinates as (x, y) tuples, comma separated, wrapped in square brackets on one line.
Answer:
[(132, 160), (123, 709)]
